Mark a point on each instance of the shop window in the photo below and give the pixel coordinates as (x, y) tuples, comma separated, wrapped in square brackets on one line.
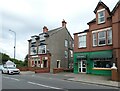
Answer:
[(101, 16), (109, 36), (82, 41), (42, 49), (102, 64), (102, 38), (94, 39)]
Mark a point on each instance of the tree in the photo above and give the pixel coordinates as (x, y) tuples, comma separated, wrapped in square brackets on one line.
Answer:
[(4, 57), (26, 60)]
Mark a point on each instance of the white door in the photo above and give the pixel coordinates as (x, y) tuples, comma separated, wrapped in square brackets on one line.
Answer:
[(82, 66)]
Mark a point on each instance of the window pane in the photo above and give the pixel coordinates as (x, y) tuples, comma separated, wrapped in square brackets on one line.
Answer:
[(66, 54), (66, 43), (82, 41), (94, 39), (33, 50), (42, 49), (102, 38), (103, 64), (101, 16), (109, 34)]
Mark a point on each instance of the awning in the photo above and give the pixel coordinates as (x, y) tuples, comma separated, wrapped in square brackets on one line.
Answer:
[(81, 57), (106, 55)]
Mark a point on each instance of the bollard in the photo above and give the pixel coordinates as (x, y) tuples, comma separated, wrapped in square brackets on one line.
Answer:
[(114, 76)]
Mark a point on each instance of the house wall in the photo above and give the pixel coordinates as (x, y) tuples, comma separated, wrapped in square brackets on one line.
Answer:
[(116, 36), (57, 47)]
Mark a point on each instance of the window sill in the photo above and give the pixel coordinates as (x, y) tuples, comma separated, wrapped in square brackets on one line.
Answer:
[(101, 68), (82, 47), (101, 22)]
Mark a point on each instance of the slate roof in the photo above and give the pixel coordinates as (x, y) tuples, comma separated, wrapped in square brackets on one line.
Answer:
[(87, 30), (101, 3)]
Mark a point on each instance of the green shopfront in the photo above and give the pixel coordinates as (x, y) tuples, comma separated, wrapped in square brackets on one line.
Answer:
[(99, 62)]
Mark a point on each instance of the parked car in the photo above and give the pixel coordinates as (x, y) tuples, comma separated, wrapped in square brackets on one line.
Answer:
[(1, 67), (10, 70)]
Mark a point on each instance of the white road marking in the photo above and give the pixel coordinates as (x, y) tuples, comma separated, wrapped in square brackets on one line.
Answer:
[(15, 79), (11, 78), (6, 77), (44, 85)]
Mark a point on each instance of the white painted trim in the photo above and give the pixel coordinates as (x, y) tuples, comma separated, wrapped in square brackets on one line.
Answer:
[(82, 34), (101, 10), (104, 29)]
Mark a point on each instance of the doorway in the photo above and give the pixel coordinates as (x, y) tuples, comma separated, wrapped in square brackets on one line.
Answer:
[(82, 66)]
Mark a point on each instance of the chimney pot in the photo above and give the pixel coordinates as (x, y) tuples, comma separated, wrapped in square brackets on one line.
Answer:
[(64, 23), (45, 29)]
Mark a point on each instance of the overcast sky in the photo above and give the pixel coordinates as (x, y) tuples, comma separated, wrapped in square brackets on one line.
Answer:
[(27, 18)]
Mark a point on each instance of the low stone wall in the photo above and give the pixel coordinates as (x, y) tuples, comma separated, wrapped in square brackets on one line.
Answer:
[(42, 70), (35, 69), (68, 70), (23, 68), (57, 70)]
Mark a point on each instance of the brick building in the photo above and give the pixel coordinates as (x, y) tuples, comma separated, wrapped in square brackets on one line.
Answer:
[(97, 48)]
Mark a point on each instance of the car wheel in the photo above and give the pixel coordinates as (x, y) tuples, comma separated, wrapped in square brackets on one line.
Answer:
[(8, 72), (2, 72)]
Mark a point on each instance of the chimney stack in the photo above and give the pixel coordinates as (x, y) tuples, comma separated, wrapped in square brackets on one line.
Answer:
[(64, 23), (45, 29)]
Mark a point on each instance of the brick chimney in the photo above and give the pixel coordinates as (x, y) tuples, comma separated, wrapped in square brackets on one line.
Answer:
[(64, 23), (45, 29)]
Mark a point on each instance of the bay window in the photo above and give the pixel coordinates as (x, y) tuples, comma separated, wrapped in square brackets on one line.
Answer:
[(42, 49), (33, 50)]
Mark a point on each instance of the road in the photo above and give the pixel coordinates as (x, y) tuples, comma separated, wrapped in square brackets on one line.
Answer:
[(45, 81)]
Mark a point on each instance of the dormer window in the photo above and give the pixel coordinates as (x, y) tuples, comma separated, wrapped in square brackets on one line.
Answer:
[(101, 16), (42, 37)]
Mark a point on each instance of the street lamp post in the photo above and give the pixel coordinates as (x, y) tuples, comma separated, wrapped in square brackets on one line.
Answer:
[(14, 42)]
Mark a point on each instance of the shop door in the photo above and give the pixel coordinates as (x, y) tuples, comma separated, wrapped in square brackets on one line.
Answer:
[(82, 66)]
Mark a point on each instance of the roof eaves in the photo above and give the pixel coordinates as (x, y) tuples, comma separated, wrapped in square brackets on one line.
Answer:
[(94, 20), (87, 30)]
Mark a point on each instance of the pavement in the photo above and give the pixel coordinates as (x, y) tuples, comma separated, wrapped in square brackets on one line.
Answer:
[(85, 78)]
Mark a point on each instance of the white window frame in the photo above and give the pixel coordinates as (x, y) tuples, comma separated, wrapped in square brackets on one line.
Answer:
[(39, 52), (66, 54), (42, 37), (31, 50), (66, 43), (81, 41), (99, 17), (33, 39), (109, 37), (59, 63), (102, 38), (71, 53), (94, 34)]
